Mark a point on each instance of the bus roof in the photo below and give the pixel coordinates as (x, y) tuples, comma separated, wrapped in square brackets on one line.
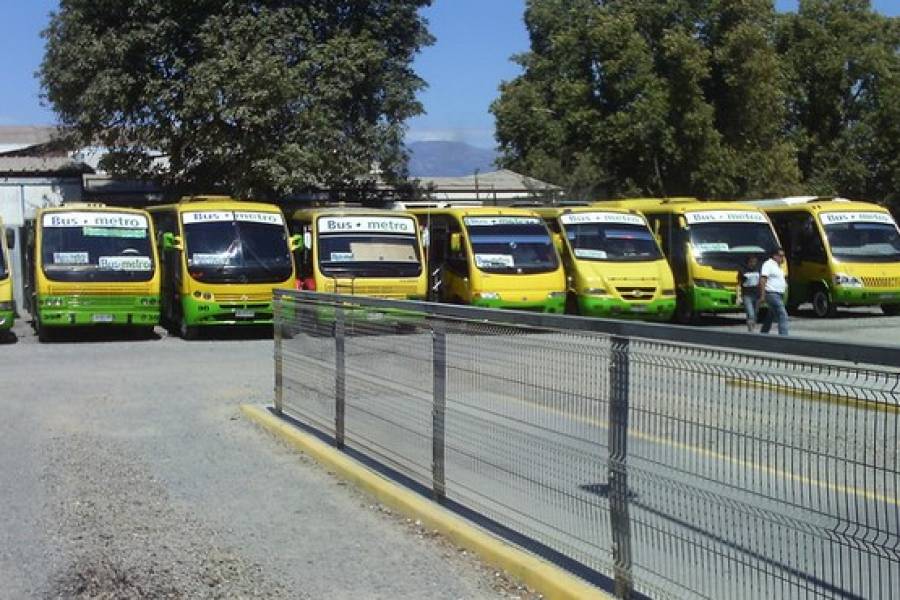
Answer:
[(90, 206), (675, 205), (197, 203), (475, 211), (302, 214), (815, 204), (555, 211)]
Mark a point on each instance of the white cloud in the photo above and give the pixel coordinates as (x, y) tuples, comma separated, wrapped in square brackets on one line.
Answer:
[(483, 138)]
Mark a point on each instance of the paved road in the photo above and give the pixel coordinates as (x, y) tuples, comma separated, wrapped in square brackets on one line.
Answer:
[(127, 472), (740, 487)]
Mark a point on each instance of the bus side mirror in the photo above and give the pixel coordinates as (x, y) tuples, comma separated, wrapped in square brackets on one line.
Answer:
[(296, 242), (10, 239), (455, 242), (170, 241), (558, 242)]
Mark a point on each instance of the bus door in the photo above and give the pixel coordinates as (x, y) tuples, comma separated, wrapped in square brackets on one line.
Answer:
[(170, 260), (806, 256)]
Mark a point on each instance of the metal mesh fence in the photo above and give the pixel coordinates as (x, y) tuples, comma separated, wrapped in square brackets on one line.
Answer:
[(671, 467)]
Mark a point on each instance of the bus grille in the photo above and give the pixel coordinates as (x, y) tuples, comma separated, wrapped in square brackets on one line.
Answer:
[(100, 301), (881, 282), (252, 297), (377, 291), (634, 293)]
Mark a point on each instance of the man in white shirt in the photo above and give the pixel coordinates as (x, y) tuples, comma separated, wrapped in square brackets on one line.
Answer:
[(772, 288)]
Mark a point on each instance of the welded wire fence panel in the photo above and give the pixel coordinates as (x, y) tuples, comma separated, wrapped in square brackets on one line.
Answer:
[(671, 468)]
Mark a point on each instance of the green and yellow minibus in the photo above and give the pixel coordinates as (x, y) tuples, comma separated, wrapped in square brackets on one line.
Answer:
[(367, 252), (613, 263), (839, 252), (706, 243), (7, 310), (221, 258), (494, 257), (92, 264)]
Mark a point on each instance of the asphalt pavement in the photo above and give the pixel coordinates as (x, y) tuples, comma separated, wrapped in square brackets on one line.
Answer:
[(128, 472)]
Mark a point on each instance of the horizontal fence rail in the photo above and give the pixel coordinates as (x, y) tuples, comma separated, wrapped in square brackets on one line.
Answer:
[(669, 462)]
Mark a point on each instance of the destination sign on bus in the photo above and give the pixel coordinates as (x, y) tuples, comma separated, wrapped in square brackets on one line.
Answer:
[(367, 225), (834, 218), (600, 217), (491, 221), (724, 216), (94, 219), (218, 216)]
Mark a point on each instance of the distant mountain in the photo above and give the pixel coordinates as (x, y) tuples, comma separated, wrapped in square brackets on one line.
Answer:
[(449, 159)]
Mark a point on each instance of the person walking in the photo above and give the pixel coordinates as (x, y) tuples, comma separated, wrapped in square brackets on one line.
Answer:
[(748, 288), (772, 290)]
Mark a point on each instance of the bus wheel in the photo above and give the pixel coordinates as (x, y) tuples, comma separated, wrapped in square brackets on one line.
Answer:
[(891, 310), (572, 305), (187, 332), (823, 306), (684, 313)]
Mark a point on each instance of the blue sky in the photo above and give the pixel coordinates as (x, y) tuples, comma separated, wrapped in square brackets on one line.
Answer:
[(475, 40)]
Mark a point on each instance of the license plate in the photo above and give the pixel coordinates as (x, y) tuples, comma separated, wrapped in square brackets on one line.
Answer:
[(102, 318), (374, 316), (638, 309), (244, 314), (887, 296)]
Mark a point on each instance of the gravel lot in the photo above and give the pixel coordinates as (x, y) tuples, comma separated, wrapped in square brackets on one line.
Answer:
[(129, 473)]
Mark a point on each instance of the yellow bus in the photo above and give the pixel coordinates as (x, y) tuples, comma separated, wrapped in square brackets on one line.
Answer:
[(493, 257), (839, 252), (221, 259), (90, 264), (706, 243), (367, 252), (613, 263), (7, 310)]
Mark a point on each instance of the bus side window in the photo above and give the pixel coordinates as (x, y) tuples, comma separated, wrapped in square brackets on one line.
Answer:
[(457, 261), (810, 247)]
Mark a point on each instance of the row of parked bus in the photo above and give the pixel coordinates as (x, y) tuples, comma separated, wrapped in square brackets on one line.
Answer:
[(212, 261)]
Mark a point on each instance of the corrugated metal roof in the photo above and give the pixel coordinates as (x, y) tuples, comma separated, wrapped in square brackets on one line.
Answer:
[(36, 164), (503, 179), (27, 135)]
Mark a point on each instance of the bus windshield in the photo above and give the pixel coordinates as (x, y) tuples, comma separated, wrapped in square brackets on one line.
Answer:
[(369, 255), (96, 246), (511, 244), (724, 245), (237, 248), (873, 242), (612, 242)]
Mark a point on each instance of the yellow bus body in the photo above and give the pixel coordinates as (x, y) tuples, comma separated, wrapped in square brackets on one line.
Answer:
[(7, 310), (205, 289), (463, 275), (68, 289), (612, 286), (706, 244), (840, 252)]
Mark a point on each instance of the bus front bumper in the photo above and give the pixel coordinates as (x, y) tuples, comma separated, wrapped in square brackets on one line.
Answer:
[(863, 296), (210, 314), (78, 312), (660, 309), (711, 300), (6, 319), (555, 304)]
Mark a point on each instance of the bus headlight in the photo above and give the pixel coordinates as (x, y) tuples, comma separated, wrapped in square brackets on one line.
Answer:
[(487, 295), (847, 280), (709, 283), (668, 292), (595, 292), (207, 296)]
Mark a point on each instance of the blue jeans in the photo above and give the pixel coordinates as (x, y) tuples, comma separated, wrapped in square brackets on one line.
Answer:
[(776, 306), (750, 297)]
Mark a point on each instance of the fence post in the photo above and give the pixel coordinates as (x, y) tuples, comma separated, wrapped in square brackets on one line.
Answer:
[(620, 521), (439, 409), (278, 305), (339, 377)]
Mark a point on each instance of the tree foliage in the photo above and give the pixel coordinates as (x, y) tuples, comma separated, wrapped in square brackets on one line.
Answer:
[(254, 97), (705, 97)]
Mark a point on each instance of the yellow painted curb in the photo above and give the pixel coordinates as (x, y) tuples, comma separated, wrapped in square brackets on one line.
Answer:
[(544, 577)]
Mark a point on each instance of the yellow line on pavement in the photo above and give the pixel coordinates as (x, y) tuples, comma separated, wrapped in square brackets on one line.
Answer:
[(541, 575), (841, 399)]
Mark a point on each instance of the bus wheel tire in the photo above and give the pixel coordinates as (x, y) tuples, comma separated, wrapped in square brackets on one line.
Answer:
[(572, 305), (823, 306), (684, 314), (892, 310), (187, 332)]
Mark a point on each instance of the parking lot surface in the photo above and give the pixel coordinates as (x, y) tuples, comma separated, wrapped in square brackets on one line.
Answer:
[(129, 473)]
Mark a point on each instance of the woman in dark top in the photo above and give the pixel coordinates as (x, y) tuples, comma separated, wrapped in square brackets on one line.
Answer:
[(748, 282)]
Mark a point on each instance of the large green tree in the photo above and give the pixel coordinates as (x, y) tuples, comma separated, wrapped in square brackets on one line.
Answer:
[(253, 97), (843, 62)]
